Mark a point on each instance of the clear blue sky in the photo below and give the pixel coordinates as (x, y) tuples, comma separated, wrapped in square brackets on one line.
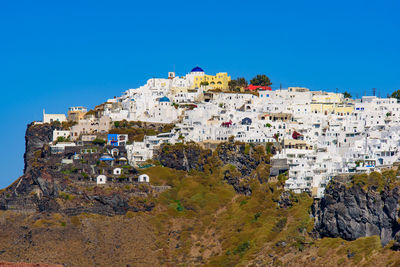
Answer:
[(56, 54)]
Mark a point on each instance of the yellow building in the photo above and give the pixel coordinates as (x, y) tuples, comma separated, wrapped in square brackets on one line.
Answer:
[(76, 113), (218, 81), (324, 97), (344, 109), (330, 103), (177, 90)]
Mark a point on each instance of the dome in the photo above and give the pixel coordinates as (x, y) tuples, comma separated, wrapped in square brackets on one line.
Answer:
[(246, 121), (164, 99), (197, 69), (106, 158)]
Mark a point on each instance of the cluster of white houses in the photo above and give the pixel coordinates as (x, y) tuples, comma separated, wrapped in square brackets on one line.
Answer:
[(320, 134)]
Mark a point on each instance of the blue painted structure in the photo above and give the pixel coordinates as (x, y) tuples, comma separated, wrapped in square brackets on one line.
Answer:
[(112, 139), (197, 69), (106, 158), (164, 99)]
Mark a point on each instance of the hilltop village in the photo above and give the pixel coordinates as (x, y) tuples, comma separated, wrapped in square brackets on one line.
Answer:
[(318, 134)]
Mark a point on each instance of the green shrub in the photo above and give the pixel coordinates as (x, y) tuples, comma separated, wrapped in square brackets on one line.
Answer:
[(179, 206), (61, 139), (99, 141), (256, 216), (241, 248), (278, 227), (247, 149), (66, 196)]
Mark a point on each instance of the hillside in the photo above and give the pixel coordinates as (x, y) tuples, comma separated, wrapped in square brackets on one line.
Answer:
[(207, 207)]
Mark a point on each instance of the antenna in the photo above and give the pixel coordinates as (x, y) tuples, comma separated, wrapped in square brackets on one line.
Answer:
[(373, 91)]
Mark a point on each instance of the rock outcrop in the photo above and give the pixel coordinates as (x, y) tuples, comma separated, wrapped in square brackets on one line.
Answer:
[(48, 185), (351, 212), (244, 157), (36, 137), (184, 157)]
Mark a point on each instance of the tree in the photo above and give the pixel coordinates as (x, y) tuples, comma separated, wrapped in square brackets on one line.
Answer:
[(238, 83), (242, 82), (61, 139), (261, 80), (346, 95), (232, 84), (396, 94)]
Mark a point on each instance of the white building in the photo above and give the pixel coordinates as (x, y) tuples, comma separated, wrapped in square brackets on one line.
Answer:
[(321, 133), (61, 133), (101, 179), (90, 126), (49, 118), (144, 178)]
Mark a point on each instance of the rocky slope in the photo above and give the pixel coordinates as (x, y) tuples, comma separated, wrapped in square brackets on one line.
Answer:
[(184, 157), (351, 211), (36, 137), (50, 186), (204, 207), (240, 161)]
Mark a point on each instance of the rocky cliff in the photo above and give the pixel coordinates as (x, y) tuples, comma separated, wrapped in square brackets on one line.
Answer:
[(351, 210), (184, 157), (200, 220), (36, 137), (242, 161), (52, 186)]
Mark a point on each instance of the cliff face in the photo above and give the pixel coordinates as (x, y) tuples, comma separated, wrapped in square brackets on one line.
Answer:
[(200, 221), (184, 157), (352, 212), (52, 186), (244, 159), (348, 210), (36, 137)]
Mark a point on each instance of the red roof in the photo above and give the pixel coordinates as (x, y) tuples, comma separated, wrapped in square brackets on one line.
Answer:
[(296, 135), (256, 87)]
